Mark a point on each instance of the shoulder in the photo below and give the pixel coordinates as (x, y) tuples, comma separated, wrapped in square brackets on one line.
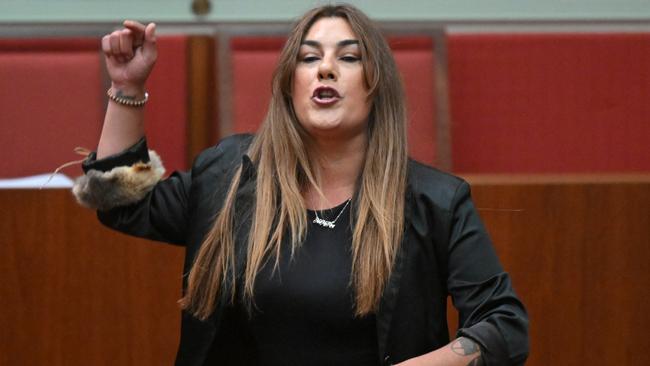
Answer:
[(224, 155), (432, 186)]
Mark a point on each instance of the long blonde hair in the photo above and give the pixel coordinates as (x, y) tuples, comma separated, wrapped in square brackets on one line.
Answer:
[(284, 171)]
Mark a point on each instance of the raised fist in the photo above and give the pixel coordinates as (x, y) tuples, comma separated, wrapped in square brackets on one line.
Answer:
[(130, 54)]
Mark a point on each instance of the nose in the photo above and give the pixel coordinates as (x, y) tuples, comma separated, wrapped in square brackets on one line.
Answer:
[(326, 75), (327, 71)]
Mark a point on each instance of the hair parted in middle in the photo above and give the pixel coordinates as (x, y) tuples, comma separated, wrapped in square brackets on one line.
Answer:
[(285, 170)]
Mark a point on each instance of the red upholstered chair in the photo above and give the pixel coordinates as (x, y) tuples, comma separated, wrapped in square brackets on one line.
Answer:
[(415, 59), (166, 116), (253, 60), (550, 103), (52, 99)]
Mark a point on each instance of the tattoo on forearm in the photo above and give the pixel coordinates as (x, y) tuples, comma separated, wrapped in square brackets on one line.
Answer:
[(466, 347)]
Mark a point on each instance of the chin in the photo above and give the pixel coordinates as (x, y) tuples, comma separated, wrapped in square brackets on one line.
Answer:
[(322, 124), (324, 128), (325, 125)]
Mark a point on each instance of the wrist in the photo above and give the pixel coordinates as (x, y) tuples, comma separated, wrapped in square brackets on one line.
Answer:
[(128, 90), (119, 97)]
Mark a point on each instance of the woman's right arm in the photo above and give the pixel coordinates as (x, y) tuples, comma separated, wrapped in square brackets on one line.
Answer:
[(130, 55), (122, 179)]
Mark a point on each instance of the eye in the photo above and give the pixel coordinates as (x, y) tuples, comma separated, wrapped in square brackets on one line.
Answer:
[(309, 59), (350, 58)]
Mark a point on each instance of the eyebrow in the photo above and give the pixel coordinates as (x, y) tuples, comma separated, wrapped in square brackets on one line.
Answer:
[(340, 44)]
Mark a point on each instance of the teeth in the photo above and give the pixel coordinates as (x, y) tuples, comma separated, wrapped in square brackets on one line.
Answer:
[(325, 94)]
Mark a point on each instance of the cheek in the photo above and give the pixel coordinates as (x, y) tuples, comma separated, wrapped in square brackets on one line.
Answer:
[(300, 94), (360, 92), (300, 84)]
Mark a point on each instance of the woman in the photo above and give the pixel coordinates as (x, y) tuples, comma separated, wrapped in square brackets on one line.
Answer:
[(317, 241)]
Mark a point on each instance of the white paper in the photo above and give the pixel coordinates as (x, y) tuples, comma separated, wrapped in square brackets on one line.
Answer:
[(37, 181)]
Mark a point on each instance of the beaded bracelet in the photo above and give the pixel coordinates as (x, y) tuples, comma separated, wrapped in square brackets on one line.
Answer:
[(126, 100)]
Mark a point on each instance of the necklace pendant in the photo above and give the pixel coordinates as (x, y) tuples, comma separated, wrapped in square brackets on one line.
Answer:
[(329, 224), (324, 223)]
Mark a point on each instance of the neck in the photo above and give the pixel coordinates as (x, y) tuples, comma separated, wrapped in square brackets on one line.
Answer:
[(338, 165)]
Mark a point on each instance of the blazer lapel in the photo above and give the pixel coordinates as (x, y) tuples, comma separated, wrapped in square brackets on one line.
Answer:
[(391, 292), (244, 206)]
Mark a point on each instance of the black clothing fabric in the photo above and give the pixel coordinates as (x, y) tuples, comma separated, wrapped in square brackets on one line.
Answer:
[(304, 309), (445, 251)]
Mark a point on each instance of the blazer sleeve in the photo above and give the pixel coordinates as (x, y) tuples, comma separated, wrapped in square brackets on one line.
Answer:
[(130, 196), (489, 311)]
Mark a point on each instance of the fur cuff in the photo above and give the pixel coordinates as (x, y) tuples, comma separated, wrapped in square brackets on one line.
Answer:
[(121, 186)]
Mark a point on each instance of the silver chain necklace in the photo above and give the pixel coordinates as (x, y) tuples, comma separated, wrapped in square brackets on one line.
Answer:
[(326, 223)]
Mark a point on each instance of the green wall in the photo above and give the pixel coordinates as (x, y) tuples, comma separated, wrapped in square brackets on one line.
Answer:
[(12, 11)]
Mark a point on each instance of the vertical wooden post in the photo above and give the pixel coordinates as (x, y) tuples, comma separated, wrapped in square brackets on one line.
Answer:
[(202, 95)]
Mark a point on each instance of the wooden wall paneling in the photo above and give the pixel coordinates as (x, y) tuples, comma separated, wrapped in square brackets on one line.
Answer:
[(224, 125), (75, 293), (202, 95), (442, 121), (577, 253)]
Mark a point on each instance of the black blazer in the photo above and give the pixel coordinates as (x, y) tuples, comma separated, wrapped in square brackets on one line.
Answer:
[(445, 251)]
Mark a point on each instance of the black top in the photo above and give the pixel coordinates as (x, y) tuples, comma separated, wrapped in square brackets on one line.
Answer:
[(304, 313)]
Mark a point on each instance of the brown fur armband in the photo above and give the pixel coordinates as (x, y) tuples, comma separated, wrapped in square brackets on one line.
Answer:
[(121, 186)]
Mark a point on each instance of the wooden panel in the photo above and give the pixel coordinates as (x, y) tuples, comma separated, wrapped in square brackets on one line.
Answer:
[(75, 293), (201, 106), (578, 254)]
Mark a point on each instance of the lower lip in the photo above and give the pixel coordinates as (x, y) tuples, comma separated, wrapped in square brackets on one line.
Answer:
[(325, 102)]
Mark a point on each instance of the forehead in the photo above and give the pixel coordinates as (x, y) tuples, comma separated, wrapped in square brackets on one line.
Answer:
[(330, 30)]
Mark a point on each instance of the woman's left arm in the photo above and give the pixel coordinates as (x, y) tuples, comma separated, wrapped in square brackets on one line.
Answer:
[(490, 313), (493, 324), (460, 352)]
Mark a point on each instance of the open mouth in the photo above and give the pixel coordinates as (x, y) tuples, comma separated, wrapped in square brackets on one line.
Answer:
[(325, 95)]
